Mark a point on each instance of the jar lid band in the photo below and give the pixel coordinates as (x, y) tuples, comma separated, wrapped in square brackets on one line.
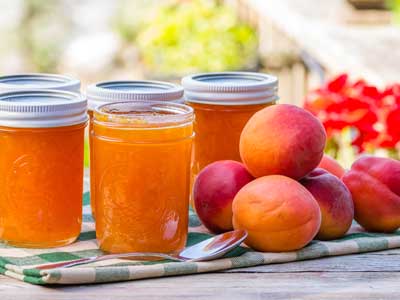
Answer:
[(116, 91), (30, 81), (42, 109), (231, 88)]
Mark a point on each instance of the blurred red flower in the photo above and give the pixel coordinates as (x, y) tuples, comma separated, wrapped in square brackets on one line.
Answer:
[(374, 114)]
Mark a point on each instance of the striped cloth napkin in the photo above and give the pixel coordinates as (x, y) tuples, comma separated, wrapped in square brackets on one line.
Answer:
[(20, 263)]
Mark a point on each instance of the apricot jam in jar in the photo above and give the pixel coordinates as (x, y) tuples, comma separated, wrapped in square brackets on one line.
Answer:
[(41, 167), (128, 90), (141, 169), (223, 103)]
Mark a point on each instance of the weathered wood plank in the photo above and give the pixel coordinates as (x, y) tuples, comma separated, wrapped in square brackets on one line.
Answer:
[(389, 262), (364, 285)]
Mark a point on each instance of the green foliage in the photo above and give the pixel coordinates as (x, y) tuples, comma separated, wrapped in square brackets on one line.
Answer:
[(42, 33), (395, 7), (86, 153), (192, 36)]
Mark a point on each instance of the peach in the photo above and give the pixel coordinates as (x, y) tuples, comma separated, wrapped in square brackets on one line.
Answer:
[(278, 213), (332, 166), (214, 190), (334, 200), (374, 183), (282, 139)]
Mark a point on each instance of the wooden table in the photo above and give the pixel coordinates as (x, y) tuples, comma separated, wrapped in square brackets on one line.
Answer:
[(364, 276)]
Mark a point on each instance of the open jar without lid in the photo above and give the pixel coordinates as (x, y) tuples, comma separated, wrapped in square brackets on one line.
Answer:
[(141, 175), (128, 91)]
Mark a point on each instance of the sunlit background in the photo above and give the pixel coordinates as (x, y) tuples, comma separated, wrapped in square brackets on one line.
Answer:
[(100, 40), (96, 40)]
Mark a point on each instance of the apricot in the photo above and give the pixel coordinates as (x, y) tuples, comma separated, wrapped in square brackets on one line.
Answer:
[(278, 213), (214, 190), (332, 166), (374, 183), (334, 200), (282, 139)]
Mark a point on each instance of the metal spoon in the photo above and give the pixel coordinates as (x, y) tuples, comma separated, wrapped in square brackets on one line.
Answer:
[(209, 249)]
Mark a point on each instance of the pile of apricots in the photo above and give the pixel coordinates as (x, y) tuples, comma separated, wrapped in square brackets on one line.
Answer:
[(286, 192)]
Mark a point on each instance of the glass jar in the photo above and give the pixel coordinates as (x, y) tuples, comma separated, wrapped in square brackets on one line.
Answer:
[(29, 81), (141, 169), (117, 91), (41, 167), (223, 103)]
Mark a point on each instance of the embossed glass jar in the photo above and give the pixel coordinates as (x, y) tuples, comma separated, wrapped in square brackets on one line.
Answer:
[(141, 170), (131, 91), (41, 167)]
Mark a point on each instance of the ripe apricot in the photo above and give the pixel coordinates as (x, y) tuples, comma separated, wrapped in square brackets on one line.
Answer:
[(334, 199), (214, 190), (374, 183), (282, 139), (278, 213)]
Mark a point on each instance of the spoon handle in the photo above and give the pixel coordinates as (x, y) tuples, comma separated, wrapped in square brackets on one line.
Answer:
[(86, 260)]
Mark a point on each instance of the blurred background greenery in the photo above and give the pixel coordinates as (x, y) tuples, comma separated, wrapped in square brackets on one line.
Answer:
[(101, 40), (97, 40)]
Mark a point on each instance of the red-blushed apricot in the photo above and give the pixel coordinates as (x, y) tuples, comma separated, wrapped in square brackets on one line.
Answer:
[(334, 200), (282, 139), (332, 166), (374, 183), (214, 190), (278, 213)]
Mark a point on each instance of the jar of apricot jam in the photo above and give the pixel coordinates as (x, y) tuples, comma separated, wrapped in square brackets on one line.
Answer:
[(41, 167), (29, 81), (117, 91), (141, 167), (223, 103)]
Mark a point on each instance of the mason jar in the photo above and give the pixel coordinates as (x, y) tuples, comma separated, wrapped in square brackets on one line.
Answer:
[(141, 170), (41, 167), (223, 103), (128, 90)]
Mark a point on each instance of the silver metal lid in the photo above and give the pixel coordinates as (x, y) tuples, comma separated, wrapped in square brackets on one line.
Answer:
[(31, 81), (42, 109), (231, 88), (116, 91)]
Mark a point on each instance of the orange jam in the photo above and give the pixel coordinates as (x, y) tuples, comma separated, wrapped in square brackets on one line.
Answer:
[(218, 129), (130, 91), (41, 167), (141, 175), (223, 103)]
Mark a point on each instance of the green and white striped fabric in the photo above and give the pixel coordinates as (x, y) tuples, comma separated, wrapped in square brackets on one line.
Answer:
[(20, 263)]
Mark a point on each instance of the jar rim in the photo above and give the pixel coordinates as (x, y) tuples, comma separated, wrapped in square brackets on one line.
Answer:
[(142, 114), (29, 81), (132, 90), (231, 88), (42, 108)]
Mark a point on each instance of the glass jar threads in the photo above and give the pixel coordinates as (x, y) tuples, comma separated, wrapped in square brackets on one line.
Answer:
[(223, 103), (41, 167), (141, 169)]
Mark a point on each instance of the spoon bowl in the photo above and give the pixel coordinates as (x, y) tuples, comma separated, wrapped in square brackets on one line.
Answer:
[(214, 247)]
